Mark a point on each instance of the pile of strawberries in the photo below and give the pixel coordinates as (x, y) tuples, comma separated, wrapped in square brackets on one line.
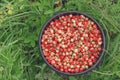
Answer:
[(72, 43)]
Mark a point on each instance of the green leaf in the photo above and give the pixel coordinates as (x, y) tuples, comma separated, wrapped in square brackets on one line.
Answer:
[(58, 9), (32, 43), (118, 74), (72, 78), (26, 40), (49, 11)]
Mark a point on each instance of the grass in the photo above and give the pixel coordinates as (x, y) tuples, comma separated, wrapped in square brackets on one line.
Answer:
[(21, 22)]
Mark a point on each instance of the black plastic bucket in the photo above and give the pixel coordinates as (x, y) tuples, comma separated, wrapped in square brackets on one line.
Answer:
[(74, 13)]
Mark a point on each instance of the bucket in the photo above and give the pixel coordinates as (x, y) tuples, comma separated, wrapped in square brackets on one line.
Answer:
[(57, 16)]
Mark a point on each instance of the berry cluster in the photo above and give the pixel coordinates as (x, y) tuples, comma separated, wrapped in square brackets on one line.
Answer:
[(71, 43)]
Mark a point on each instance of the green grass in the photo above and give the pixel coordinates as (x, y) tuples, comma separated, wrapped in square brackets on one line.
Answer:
[(21, 22)]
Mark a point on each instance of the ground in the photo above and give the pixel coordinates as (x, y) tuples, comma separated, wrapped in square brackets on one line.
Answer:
[(22, 20)]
